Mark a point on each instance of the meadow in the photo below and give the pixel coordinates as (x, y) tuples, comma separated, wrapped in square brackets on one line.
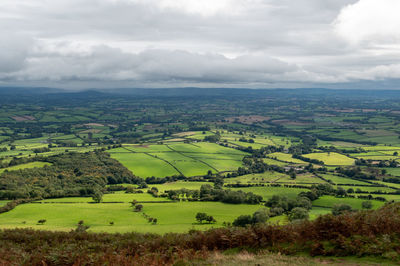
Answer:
[(171, 217), (330, 201), (331, 158), (194, 159)]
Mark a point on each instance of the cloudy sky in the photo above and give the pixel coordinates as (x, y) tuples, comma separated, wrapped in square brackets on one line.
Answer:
[(203, 43)]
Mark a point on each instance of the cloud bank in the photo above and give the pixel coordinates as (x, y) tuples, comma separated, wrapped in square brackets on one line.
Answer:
[(176, 43)]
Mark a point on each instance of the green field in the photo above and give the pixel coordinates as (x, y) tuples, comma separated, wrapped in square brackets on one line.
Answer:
[(144, 165), (257, 178), (332, 158), (172, 217), (339, 180), (194, 159), (268, 192), (285, 157), (329, 201), (24, 166)]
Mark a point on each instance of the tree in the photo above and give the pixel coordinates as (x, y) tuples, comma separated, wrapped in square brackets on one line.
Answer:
[(260, 216), (218, 183), (210, 219), (138, 207), (97, 196), (42, 221), (292, 175), (201, 216), (242, 220), (298, 213), (366, 204), (341, 192), (339, 209), (133, 203), (154, 220)]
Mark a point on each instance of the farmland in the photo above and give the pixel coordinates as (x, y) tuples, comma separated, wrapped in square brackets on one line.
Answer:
[(167, 153)]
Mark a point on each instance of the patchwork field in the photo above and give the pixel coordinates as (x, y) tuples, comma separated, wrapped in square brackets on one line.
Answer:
[(177, 158), (331, 158), (329, 201), (171, 217)]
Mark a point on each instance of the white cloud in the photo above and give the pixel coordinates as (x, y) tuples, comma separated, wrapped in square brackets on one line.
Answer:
[(251, 43), (370, 21)]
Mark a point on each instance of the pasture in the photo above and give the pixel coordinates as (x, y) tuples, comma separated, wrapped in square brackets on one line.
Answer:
[(330, 201), (171, 217), (188, 159), (331, 158)]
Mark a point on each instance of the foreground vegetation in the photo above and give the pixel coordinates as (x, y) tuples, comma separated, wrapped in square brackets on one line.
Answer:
[(366, 233)]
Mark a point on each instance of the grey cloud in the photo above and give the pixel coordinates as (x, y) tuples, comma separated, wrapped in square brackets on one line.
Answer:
[(135, 42)]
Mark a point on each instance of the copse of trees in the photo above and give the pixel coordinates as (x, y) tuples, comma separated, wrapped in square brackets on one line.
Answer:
[(258, 217), (208, 193), (71, 174)]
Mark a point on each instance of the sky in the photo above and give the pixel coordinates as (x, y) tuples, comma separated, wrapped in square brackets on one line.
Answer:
[(79, 44)]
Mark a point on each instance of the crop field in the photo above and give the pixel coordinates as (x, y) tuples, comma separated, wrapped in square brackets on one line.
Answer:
[(329, 201), (332, 158), (177, 158)]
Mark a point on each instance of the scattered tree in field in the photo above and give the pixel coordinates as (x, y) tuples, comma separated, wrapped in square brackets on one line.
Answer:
[(338, 209), (112, 223), (133, 203), (154, 220), (260, 216), (81, 227), (366, 204), (242, 220), (97, 196), (201, 216), (138, 208), (42, 221)]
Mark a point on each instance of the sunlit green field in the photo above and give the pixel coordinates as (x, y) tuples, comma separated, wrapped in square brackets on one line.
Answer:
[(24, 166), (332, 158), (172, 217), (285, 157), (268, 192), (192, 159), (329, 201)]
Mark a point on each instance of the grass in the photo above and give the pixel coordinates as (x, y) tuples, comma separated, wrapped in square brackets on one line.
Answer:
[(256, 178), (268, 192), (302, 179), (330, 201), (286, 157), (332, 158), (112, 197), (24, 166), (162, 160), (338, 180), (143, 165), (172, 217)]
